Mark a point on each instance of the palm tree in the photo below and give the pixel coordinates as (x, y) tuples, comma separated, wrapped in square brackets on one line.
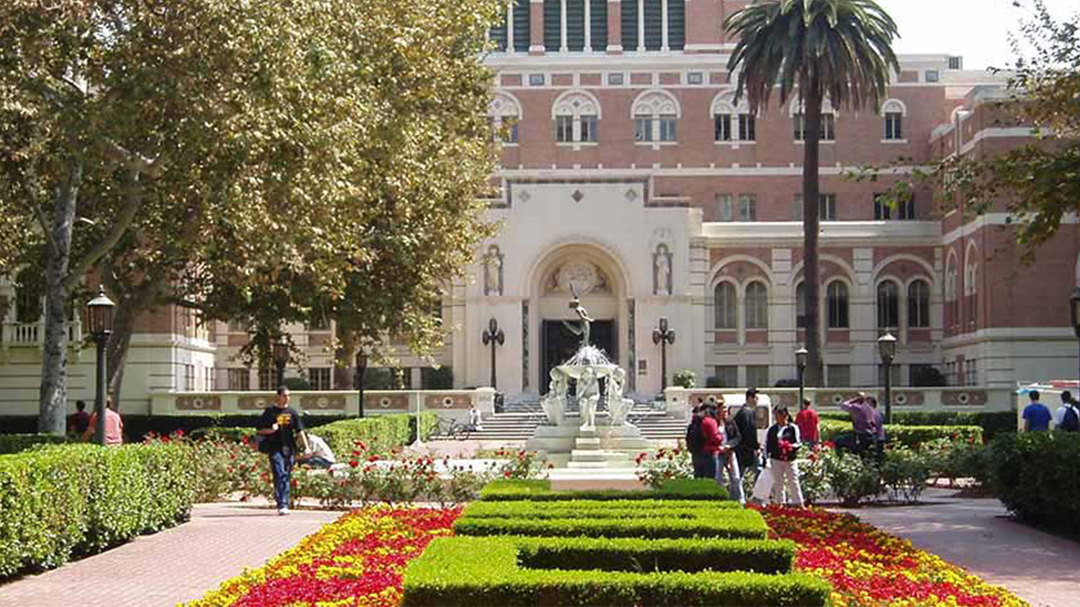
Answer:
[(841, 49)]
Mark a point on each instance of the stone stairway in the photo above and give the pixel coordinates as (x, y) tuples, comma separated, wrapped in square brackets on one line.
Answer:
[(519, 425)]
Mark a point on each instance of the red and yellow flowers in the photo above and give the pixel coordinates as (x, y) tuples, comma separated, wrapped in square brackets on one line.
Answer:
[(357, 561), (869, 567)]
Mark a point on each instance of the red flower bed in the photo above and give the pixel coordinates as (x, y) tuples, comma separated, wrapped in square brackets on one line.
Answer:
[(869, 567), (357, 560)]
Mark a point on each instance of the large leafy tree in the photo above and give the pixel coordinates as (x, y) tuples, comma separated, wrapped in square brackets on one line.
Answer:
[(224, 154), (812, 50)]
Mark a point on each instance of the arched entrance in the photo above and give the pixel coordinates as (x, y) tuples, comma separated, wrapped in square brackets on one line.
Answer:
[(601, 283)]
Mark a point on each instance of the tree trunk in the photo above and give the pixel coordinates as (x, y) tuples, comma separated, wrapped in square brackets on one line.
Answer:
[(811, 229), (132, 302), (52, 406)]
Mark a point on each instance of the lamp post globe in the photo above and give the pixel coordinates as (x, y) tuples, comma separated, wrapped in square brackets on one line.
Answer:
[(887, 349), (99, 318)]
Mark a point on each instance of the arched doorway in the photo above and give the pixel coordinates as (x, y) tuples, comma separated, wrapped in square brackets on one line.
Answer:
[(601, 283)]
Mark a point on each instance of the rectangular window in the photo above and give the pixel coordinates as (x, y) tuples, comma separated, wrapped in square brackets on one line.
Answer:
[(933, 76), (727, 376), (319, 378), (885, 210), (575, 25), (615, 79), (828, 127), (654, 10), (826, 207), (757, 375), (189, 378), (971, 372), (722, 127), (552, 25), (920, 376), (695, 78), (239, 379), (747, 207), (800, 127), (896, 375), (667, 128), (894, 126), (564, 129), (588, 128), (725, 210), (747, 127), (643, 128), (211, 379), (266, 379), (838, 376), (238, 325)]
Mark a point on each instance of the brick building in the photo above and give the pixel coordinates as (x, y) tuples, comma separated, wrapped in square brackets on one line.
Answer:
[(629, 171)]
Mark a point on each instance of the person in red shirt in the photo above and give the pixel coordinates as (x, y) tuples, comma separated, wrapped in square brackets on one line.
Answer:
[(716, 447), (114, 426), (807, 421)]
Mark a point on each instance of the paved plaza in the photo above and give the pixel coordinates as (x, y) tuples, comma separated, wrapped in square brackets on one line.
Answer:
[(185, 562)]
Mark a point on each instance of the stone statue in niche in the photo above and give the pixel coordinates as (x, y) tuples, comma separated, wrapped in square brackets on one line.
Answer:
[(662, 270), (493, 271)]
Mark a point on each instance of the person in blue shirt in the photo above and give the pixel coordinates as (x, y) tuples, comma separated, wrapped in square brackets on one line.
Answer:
[(1037, 416)]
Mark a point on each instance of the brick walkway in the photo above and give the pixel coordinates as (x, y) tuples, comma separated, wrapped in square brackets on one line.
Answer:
[(1040, 568), (175, 565)]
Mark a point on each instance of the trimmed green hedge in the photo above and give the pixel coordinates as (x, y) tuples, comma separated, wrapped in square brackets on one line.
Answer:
[(540, 490), (909, 436), (1037, 476), (702, 521), (992, 422), (486, 571), (222, 433), (70, 500), (591, 508), (636, 554), (13, 443), (380, 433)]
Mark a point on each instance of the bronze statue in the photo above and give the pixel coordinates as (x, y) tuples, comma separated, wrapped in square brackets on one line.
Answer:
[(582, 328)]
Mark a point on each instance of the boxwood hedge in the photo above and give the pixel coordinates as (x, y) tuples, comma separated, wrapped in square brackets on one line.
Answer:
[(1037, 476), (498, 571), (68, 500), (909, 436), (13, 443), (591, 508), (540, 490), (380, 433)]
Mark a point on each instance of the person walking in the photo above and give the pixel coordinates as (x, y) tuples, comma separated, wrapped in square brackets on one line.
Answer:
[(1067, 417), (728, 462), (280, 425), (1036, 415), (114, 426), (749, 446), (781, 447), (695, 441), (808, 422)]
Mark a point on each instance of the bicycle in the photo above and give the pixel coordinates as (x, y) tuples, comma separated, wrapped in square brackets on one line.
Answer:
[(453, 429)]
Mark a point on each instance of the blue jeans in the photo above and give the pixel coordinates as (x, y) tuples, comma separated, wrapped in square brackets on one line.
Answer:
[(726, 465), (281, 463)]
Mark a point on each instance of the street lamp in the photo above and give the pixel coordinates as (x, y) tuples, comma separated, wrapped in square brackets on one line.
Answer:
[(887, 348), (280, 354), (361, 366), (99, 315), (495, 337), (800, 364), (663, 336)]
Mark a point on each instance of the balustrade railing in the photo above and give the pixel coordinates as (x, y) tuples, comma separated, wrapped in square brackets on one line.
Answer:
[(33, 333)]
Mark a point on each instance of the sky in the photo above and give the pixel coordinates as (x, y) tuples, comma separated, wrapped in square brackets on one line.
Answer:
[(977, 30)]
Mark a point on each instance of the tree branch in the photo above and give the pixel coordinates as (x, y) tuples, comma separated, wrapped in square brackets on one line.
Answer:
[(135, 162), (132, 202)]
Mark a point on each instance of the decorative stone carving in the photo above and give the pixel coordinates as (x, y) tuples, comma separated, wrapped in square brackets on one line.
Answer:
[(579, 277), (662, 270), (493, 271), (618, 407)]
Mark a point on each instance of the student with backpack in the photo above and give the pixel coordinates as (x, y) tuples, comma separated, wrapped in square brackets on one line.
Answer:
[(695, 444), (1067, 417)]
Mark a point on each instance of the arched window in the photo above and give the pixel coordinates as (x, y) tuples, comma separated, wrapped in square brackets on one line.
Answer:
[(732, 122), (836, 300), (655, 115), (800, 306), (726, 306), (576, 115), (757, 306), (951, 273), (894, 111), (971, 285), (828, 121), (888, 305), (504, 113), (918, 304)]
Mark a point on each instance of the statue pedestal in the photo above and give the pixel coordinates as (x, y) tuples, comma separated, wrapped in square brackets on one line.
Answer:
[(606, 446)]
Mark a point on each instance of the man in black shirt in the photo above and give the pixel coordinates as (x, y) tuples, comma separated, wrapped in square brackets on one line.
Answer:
[(279, 426), (746, 421)]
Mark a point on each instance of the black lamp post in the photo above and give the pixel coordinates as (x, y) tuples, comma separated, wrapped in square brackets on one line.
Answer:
[(800, 364), (663, 335), (99, 315), (494, 336), (887, 347), (281, 356), (361, 367)]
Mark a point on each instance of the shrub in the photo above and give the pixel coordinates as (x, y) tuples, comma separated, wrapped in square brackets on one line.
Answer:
[(1037, 476), (908, 436), (904, 474), (992, 422), (701, 522), (437, 379), (13, 443), (220, 433), (714, 382), (851, 478), (540, 490), (486, 571), (684, 378), (663, 466), (80, 499), (379, 434), (591, 508)]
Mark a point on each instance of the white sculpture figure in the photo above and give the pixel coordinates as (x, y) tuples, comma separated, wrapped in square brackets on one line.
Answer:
[(618, 406), (663, 271), (554, 403), (588, 392), (492, 273)]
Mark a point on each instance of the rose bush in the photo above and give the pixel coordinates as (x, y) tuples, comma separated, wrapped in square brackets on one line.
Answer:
[(666, 464)]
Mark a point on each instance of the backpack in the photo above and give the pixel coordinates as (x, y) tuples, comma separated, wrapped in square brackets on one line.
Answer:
[(1071, 421), (694, 441)]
